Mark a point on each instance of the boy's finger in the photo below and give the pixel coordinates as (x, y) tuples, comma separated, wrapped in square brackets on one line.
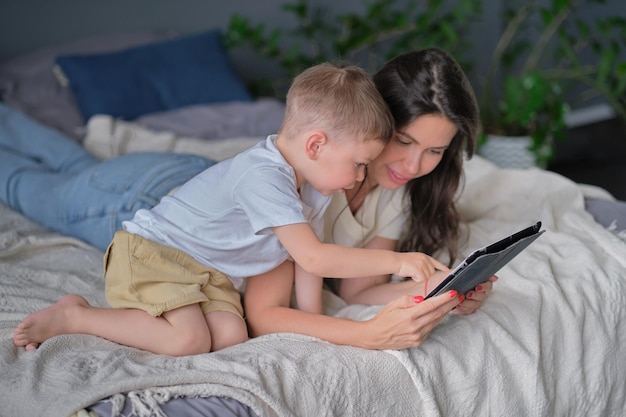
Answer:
[(439, 265)]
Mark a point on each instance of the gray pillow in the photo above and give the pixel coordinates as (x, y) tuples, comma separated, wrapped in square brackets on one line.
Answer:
[(608, 213), (28, 83), (220, 120)]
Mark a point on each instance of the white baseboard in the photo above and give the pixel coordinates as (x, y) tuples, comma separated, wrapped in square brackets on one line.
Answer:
[(589, 115)]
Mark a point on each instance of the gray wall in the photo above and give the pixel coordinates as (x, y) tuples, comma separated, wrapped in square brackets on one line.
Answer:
[(26, 25), (29, 24)]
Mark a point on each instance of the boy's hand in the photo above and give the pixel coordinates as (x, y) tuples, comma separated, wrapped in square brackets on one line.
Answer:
[(419, 266)]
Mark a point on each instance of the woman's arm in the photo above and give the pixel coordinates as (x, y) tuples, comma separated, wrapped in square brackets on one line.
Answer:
[(308, 290), (400, 324)]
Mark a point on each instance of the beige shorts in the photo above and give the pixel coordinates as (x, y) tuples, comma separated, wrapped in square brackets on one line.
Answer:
[(143, 274)]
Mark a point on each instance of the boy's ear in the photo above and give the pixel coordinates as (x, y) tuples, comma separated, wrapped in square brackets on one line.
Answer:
[(314, 143)]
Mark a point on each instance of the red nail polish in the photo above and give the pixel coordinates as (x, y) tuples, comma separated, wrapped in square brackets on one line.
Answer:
[(470, 294), (479, 288), (461, 297), (453, 293), (418, 299)]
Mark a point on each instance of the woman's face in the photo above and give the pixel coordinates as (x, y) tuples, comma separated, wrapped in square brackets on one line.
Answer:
[(415, 151)]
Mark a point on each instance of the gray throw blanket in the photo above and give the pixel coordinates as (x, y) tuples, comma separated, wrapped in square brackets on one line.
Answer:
[(550, 340)]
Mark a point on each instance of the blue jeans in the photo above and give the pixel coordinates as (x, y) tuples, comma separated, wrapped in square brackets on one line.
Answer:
[(51, 179)]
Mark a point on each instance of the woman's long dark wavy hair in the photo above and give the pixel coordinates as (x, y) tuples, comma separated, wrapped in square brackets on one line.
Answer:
[(430, 81)]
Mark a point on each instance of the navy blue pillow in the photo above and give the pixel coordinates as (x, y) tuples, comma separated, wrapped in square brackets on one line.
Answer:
[(155, 77)]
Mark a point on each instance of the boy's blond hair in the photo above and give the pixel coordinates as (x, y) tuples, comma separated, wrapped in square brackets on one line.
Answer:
[(340, 100)]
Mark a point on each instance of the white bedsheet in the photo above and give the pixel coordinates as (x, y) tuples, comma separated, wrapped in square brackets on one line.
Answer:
[(550, 341)]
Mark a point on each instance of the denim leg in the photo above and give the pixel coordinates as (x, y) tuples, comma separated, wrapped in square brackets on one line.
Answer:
[(12, 166), (27, 137), (64, 202), (91, 205), (139, 180), (144, 178), (39, 193)]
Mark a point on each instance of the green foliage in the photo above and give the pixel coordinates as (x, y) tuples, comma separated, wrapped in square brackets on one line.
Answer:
[(381, 31), (538, 63), (539, 59)]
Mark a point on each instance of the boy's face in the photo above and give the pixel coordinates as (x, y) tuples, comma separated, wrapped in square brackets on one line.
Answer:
[(339, 166)]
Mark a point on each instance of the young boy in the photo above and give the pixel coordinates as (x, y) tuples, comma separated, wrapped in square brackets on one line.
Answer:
[(172, 274)]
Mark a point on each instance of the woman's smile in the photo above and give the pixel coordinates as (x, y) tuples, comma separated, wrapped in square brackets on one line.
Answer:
[(397, 178)]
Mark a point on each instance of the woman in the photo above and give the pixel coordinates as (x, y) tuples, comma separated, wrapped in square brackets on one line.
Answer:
[(413, 183)]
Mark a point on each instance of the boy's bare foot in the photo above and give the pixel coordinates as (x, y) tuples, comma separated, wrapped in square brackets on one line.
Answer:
[(52, 321)]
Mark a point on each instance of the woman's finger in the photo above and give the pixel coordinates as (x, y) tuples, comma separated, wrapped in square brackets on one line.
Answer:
[(435, 306), (427, 315), (468, 306)]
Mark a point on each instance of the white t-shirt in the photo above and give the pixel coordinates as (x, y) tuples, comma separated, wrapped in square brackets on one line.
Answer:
[(224, 216), (383, 213)]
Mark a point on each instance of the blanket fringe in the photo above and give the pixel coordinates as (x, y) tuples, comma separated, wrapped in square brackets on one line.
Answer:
[(613, 228), (117, 403), (117, 406), (83, 413), (147, 403)]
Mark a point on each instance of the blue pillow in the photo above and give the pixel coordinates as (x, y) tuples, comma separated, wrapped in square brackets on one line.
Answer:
[(155, 77)]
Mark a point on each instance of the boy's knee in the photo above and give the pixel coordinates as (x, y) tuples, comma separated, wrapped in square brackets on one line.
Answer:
[(231, 339), (236, 332), (189, 344)]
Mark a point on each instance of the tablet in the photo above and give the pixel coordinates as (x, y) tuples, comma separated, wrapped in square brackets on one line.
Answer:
[(482, 263)]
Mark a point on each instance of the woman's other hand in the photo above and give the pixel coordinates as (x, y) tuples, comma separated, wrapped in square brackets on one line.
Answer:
[(475, 298)]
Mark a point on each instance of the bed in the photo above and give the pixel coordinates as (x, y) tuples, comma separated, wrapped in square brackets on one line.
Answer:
[(550, 341)]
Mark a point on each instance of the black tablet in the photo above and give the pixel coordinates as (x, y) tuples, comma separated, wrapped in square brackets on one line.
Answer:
[(482, 263)]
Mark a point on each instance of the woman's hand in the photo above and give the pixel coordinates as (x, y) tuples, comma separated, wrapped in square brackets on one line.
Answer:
[(474, 299), (407, 321)]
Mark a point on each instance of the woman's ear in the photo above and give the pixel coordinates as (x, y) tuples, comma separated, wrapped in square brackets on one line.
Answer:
[(314, 143)]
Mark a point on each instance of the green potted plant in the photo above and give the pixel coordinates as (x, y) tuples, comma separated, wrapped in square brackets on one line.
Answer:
[(529, 86), (381, 30), (535, 65)]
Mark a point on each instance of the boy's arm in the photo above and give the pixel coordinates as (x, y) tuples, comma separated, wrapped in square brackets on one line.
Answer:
[(373, 289), (328, 260)]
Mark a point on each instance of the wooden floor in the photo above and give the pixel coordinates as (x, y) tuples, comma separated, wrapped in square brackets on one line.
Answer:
[(595, 154)]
